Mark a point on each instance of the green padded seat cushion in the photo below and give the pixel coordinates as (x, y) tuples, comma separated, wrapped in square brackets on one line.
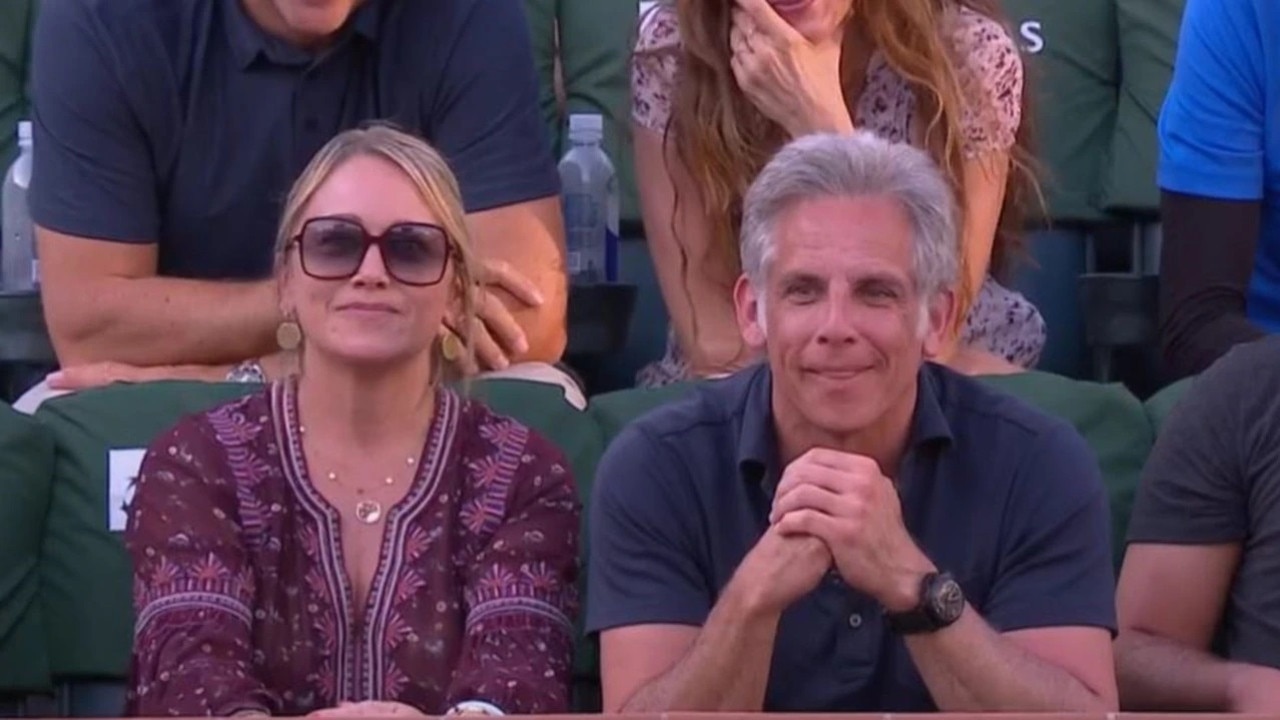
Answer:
[(1148, 37), (1159, 406), (1070, 53), (26, 471), (1110, 419)]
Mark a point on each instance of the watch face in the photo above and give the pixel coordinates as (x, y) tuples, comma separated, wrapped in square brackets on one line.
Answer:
[(948, 600)]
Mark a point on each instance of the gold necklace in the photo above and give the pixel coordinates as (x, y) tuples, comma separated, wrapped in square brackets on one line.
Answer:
[(367, 510)]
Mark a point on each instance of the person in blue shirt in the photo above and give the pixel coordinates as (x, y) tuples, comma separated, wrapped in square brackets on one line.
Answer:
[(1220, 181), (846, 527)]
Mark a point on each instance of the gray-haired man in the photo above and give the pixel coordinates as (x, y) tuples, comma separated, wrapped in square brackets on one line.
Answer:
[(848, 527)]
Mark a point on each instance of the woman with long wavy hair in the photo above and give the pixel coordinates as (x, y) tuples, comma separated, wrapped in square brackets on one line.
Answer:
[(719, 85)]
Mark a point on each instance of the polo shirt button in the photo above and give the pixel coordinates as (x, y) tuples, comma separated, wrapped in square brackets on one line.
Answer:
[(855, 621)]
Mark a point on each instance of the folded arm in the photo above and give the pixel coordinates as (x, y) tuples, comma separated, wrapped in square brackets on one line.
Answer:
[(521, 596), (194, 591)]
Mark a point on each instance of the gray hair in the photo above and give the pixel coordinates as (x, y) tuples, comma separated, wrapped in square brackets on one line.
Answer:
[(857, 165)]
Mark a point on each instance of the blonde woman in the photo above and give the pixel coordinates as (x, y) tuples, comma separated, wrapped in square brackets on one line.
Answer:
[(357, 539)]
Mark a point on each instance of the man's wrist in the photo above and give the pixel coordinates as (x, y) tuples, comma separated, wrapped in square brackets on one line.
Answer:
[(902, 593), (747, 600)]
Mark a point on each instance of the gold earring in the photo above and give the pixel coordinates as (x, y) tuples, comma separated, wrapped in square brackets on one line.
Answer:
[(288, 335), (450, 346)]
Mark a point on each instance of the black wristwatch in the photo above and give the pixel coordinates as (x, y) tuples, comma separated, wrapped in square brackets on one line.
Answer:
[(941, 603)]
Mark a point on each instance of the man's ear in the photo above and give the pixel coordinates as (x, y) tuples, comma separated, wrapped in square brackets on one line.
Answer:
[(938, 319), (749, 307)]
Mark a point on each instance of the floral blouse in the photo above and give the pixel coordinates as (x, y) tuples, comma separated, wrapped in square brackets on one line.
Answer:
[(242, 598), (990, 75)]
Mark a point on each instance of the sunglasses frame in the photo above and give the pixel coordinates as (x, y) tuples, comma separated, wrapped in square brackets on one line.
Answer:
[(370, 240)]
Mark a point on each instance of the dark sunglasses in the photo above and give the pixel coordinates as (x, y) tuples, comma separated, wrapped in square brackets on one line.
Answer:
[(333, 248)]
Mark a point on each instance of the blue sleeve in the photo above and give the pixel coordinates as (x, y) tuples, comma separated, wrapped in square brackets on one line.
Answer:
[(92, 174), (643, 565), (1211, 127), (485, 118), (1056, 565)]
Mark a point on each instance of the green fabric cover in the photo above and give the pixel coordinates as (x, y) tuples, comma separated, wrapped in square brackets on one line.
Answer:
[(595, 41), (1070, 52), (26, 470), (1159, 406), (1109, 417), (16, 20), (612, 411), (85, 573), (1148, 44)]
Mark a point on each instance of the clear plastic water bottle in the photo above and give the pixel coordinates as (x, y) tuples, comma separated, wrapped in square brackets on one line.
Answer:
[(19, 268), (589, 188)]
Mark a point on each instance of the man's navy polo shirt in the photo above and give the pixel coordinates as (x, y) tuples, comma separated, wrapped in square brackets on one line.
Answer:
[(182, 123), (1007, 499)]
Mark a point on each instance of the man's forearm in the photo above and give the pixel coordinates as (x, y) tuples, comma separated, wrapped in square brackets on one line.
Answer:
[(164, 321), (726, 670), (1154, 673), (969, 667)]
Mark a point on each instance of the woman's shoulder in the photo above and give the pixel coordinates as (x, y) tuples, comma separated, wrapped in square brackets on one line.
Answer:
[(990, 72), (230, 423), (978, 38), (654, 66), (659, 28), (494, 434)]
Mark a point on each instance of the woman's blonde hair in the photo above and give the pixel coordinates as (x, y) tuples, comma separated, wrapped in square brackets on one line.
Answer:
[(436, 185)]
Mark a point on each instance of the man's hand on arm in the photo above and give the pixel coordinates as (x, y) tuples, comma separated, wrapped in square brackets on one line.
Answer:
[(524, 290), (847, 502)]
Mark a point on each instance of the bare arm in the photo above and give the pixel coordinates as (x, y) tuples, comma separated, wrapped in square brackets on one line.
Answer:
[(529, 236), (104, 303), (969, 667), (1162, 653), (697, 295), (722, 667)]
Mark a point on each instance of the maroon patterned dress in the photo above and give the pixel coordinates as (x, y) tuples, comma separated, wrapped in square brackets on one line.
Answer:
[(243, 601)]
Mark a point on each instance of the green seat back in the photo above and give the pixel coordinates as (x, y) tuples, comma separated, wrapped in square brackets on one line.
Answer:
[(612, 411), (1070, 51), (16, 20), (1159, 406), (26, 472), (1148, 44), (595, 42), (1110, 419)]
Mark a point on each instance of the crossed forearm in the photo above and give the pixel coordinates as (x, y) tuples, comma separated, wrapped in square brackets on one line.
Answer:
[(969, 667), (726, 670)]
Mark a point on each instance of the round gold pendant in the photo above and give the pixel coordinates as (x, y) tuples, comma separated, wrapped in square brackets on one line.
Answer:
[(368, 511)]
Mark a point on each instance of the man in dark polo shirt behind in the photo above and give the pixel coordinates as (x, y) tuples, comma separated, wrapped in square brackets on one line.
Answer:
[(169, 132), (847, 527), (1199, 592)]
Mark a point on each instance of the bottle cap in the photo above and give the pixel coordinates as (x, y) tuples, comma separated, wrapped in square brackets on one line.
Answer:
[(586, 122), (24, 131)]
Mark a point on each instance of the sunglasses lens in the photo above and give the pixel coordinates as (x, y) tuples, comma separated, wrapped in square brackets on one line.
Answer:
[(415, 254), (331, 248)]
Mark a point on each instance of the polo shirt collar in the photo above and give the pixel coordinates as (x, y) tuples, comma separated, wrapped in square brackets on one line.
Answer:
[(248, 40), (757, 452)]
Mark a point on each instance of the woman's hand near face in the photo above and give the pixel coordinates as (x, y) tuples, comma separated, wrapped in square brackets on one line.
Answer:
[(498, 336), (795, 82)]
